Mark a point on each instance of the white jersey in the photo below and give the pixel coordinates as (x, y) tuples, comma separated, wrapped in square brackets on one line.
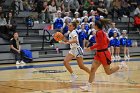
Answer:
[(71, 36)]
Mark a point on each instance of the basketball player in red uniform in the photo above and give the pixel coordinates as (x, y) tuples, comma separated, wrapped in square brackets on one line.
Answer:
[(102, 56)]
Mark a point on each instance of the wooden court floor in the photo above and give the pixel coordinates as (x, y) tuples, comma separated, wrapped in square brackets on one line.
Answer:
[(52, 77)]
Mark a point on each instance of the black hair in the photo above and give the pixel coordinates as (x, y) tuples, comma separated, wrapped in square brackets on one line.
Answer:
[(99, 24), (14, 33), (74, 24)]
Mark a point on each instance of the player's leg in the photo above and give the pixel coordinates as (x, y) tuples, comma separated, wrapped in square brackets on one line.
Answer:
[(67, 59), (94, 67), (110, 70), (66, 63), (81, 64)]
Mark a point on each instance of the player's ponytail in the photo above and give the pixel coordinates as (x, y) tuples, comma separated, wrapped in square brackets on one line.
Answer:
[(102, 23)]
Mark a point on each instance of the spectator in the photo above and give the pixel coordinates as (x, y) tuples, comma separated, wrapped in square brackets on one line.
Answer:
[(91, 39), (137, 10), (58, 3), (18, 5), (126, 8), (66, 5), (42, 8), (81, 2), (91, 35), (3, 27), (62, 9), (117, 8), (11, 23), (67, 16), (15, 48), (65, 27), (92, 16), (91, 24), (137, 22), (76, 17), (2, 12), (85, 22), (82, 36), (112, 29), (52, 9), (58, 22), (26, 5), (133, 4), (102, 10), (123, 43), (88, 5), (115, 46), (85, 14), (74, 6)]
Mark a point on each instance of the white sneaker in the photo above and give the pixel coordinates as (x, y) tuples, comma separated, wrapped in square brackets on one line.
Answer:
[(123, 65), (73, 77), (125, 57), (116, 58), (128, 56), (112, 58), (86, 88), (17, 63), (22, 62), (119, 57)]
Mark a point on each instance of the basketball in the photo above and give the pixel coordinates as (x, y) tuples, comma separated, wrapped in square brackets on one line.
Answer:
[(58, 36)]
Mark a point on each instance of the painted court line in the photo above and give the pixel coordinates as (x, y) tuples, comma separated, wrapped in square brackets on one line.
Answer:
[(44, 65)]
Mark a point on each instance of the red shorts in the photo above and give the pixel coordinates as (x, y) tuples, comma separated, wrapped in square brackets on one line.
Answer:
[(103, 57)]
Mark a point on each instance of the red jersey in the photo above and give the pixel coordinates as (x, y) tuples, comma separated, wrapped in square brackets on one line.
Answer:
[(101, 41), (102, 54)]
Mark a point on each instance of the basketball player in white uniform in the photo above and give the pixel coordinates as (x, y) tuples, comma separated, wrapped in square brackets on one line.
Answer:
[(75, 51)]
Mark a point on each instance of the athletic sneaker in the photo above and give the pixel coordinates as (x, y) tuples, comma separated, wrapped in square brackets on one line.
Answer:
[(128, 56), (86, 88), (123, 65), (125, 57), (22, 62), (119, 58), (112, 58), (73, 77), (17, 63), (116, 58)]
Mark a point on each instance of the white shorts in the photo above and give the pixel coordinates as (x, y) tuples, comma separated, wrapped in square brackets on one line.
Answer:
[(76, 52)]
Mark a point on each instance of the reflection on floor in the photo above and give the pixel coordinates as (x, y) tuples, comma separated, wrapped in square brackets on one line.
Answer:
[(52, 77)]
